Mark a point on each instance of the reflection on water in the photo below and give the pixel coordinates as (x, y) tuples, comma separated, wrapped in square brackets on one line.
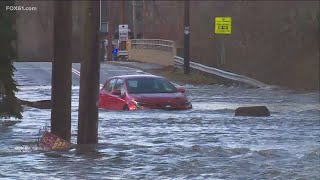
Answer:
[(202, 143)]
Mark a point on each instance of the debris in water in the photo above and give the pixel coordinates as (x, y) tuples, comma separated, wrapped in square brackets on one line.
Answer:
[(50, 141)]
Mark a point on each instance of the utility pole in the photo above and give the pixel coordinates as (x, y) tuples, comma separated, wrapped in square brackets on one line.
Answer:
[(110, 28), (144, 19), (134, 28), (123, 14), (89, 79), (61, 70), (122, 11), (100, 15), (186, 47)]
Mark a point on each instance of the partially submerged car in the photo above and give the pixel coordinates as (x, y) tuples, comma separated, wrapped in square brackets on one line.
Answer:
[(131, 92)]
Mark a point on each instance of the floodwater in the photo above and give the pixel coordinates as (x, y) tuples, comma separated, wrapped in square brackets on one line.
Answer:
[(207, 142)]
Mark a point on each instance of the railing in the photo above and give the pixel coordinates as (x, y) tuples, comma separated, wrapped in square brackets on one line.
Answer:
[(157, 44), (178, 61)]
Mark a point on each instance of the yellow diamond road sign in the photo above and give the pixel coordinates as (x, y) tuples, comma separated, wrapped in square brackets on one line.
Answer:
[(222, 25)]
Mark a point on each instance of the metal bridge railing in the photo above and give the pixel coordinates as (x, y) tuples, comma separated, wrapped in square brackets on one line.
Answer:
[(157, 44)]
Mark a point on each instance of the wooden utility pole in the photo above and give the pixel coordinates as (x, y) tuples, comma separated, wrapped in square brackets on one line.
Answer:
[(110, 30), (186, 47), (144, 17), (89, 79), (123, 11), (122, 15), (61, 70), (134, 25)]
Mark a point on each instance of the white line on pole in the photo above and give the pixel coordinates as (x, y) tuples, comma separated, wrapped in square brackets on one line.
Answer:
[(76, 72)]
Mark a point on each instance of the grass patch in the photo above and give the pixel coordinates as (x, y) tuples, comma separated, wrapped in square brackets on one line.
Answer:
[(177, 75)]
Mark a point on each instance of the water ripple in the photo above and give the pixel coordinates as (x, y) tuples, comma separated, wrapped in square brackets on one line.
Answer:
[(207, 142)]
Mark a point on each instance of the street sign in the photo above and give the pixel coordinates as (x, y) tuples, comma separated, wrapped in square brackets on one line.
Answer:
[(187, 30), (123, 32), (115, 51), (222, 25)]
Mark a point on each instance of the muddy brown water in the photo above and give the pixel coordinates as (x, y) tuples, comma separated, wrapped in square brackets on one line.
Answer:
[(206, 142)]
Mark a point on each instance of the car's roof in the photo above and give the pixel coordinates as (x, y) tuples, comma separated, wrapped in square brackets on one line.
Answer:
[(136, 76)]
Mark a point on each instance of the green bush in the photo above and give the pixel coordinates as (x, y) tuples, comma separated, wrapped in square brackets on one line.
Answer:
[(9, 104)]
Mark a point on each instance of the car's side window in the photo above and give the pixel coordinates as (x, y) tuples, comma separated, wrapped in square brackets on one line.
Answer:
[(110, 85), (119, 86), (132, 85)]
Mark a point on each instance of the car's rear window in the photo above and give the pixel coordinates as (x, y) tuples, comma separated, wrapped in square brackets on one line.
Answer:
[(150, 85)]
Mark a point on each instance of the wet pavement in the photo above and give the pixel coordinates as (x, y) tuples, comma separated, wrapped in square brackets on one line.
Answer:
[(206, 142)]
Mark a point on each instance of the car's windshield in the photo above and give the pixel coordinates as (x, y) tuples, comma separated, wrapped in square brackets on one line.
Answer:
[(150, 85)]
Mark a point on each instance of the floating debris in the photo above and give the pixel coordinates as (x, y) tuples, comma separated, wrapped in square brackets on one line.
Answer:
[(50, 141)]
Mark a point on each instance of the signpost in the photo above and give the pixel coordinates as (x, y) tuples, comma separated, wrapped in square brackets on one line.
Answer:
[(123, 32), (123, 37), (223, 25)]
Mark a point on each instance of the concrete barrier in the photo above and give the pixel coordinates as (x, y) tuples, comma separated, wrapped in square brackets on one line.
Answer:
[(155, 51), (152, 56)]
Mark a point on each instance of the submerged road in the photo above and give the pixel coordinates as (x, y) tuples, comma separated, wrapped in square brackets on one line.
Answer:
[(206, 142), (39, 73)]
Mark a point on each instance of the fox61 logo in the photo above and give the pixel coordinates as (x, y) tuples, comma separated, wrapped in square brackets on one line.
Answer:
[(20, 8), (13, 8)]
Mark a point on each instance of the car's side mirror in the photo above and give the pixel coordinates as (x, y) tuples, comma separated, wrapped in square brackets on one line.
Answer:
[(181, 89), (116, 92)]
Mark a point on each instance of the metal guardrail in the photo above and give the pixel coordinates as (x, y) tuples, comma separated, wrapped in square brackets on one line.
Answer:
[(228, 75), (158, 44)]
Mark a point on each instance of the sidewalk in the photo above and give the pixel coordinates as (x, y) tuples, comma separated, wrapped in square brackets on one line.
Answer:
[(137, 65), (175, 75)]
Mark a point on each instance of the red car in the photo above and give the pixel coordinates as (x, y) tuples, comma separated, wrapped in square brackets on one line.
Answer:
[(131, 92)]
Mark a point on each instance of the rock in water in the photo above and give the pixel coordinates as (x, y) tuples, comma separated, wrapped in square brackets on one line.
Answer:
[(257, 111)]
